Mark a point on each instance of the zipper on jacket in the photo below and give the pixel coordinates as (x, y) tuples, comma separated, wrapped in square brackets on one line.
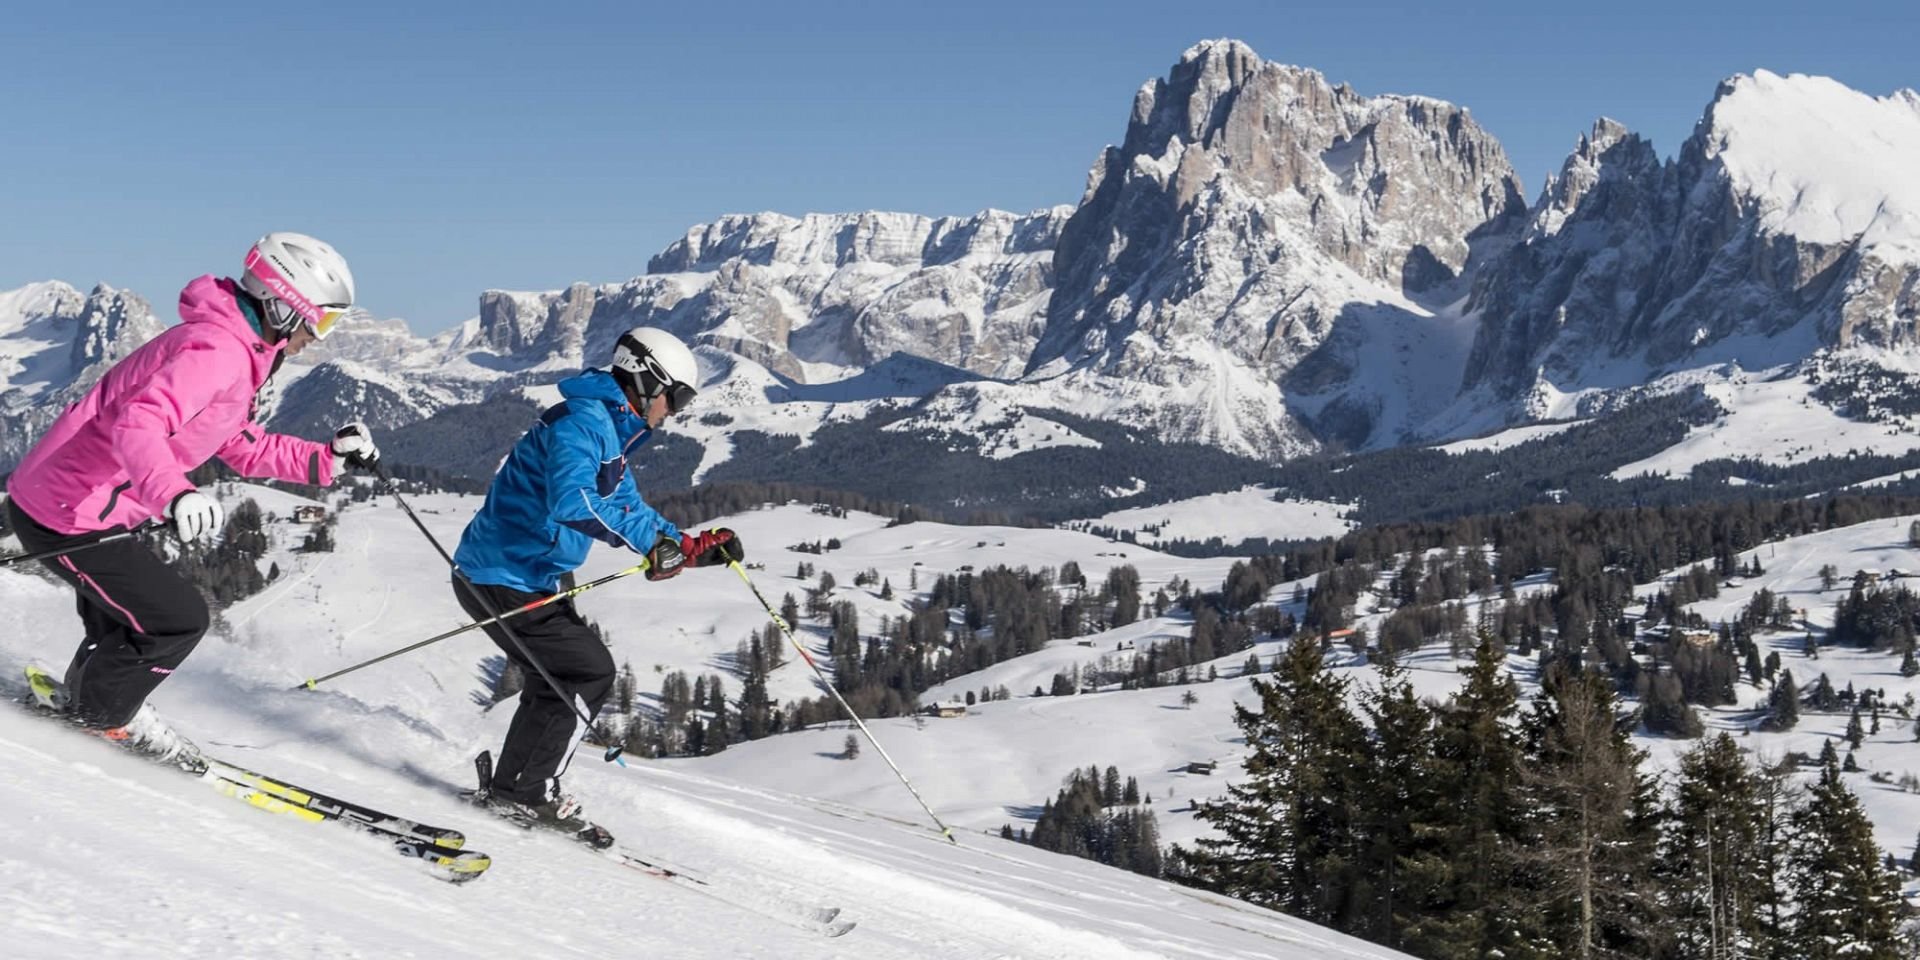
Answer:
[(115, 498)]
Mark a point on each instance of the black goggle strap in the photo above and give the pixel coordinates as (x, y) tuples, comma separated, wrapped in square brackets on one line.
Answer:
[(653, 379)]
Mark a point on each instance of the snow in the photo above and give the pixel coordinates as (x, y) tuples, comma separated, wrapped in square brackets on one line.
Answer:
[(36, 339), (1233, 517), (1793, 571), (1496, 442), (1828, 164), (1776, 421), (783, 816), (113, 857), (989, 414)]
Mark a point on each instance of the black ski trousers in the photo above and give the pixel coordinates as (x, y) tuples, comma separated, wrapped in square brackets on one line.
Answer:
[(545, 727), (141, 616)]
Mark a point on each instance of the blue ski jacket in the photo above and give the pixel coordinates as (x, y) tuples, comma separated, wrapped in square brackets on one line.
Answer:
[(564, 485)]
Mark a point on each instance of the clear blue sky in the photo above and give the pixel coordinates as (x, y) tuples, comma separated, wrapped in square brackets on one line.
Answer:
[(447, 149)]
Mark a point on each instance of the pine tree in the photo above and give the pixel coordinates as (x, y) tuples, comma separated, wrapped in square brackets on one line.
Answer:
[(1401, 858), (1783, 704), (1471, 911), (1289, 838), (1714, 868), (1855, 732), (1846, 904), (1594, 840)]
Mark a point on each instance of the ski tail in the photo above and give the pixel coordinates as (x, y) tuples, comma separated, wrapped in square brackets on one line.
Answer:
[(453, 866), (333, 808)]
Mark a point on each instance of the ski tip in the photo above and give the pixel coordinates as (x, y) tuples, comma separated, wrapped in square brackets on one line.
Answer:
[(465, 868)]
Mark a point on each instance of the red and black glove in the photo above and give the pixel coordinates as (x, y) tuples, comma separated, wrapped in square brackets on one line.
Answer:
[(665, 559), (710, 547)]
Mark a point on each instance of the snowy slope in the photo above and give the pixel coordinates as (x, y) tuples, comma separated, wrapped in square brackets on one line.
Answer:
[(1827, 163), (1233, 517), (1496, 442), (218, 878), (785, 815), (1774, 420)]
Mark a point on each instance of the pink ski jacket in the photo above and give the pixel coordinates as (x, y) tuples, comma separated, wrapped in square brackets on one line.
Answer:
[(120, 456)]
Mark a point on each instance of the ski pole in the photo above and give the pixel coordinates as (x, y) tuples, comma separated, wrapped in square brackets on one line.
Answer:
[(569, 594), (112, 537), (945, 830), (613, 750)]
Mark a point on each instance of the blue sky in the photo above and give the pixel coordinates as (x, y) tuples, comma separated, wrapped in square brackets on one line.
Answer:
[(447, 149)]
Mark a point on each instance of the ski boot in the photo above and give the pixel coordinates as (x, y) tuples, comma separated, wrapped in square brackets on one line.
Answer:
[(146, 734), (557, 811)]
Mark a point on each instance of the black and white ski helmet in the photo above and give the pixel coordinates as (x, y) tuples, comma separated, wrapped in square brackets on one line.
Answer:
[(649, 362)]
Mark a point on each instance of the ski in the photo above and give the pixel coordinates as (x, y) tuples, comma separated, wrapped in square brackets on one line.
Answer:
[(451, 865), (333, 808), (441, 849), (822, 920)]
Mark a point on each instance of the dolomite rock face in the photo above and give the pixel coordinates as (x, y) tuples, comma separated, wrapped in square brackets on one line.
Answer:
[(1250, 204)]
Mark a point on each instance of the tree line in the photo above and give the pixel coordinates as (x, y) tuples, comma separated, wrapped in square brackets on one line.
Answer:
[(1479, 827)]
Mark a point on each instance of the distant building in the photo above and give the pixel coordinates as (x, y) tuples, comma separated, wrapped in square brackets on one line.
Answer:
[(1202, 766), (309, 513), (945, 711), (1698, 638)]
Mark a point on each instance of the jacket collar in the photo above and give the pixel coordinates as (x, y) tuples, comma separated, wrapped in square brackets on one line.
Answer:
[(216, 302), (600, 385)]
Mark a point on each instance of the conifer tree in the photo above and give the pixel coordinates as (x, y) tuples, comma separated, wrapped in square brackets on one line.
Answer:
[(1714, 866), (1783, 704), (1846, 905), (1289, 837), (1593, 838), (1473, 911), (1401, 858)]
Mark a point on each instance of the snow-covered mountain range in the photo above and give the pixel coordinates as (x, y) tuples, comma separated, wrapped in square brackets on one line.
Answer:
[(1268, 263)]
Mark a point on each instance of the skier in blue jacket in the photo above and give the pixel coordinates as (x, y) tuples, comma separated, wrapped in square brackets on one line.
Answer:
[(565, 485)]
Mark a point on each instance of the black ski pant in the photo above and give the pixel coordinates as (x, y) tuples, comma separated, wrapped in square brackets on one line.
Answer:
[(141, 617), (545, 728)]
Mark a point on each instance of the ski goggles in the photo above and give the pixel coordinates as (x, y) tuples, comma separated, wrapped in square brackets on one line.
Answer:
[(654, 380), (291, 303), (679, 395), (320, 321), (330, 315)]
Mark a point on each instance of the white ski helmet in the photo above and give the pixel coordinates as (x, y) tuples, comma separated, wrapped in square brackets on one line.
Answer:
[(649, 361), (299, 279)]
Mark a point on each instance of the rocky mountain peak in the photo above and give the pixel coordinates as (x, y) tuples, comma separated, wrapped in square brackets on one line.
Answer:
[(110, 324), (1247, 205)]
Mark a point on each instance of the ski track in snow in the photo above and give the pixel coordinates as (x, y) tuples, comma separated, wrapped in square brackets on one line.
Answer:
[(778, 820), (113, 857)]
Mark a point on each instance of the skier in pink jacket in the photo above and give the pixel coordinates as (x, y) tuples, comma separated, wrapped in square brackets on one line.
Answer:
[(119, 458)]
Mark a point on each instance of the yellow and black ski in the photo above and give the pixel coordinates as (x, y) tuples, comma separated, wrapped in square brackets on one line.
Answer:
[(446, 863), (333, 808)]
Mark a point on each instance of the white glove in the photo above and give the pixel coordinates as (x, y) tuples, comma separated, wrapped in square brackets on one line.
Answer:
[(353, 445), (195, 515)]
